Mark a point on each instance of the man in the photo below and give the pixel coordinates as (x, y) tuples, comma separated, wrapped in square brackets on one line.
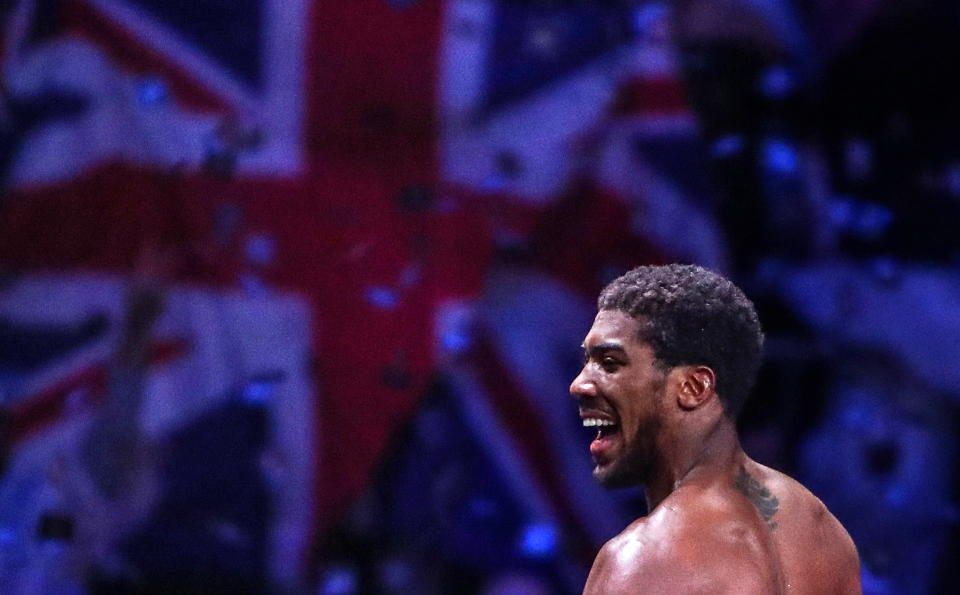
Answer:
[(670, 360)]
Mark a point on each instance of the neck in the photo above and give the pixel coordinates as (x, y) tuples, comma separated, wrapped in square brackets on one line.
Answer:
[(700, 457)]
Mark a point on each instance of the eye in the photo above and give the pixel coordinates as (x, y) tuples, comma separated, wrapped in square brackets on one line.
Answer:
[(609, 363)]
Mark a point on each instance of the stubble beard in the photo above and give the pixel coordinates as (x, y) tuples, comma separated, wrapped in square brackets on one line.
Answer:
[(636, 466)]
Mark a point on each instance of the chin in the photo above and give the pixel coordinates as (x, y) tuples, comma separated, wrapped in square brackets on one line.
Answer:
[(631, 470), (612, 477)]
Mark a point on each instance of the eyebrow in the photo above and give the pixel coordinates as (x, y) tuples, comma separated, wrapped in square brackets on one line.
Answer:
[(599, 347)]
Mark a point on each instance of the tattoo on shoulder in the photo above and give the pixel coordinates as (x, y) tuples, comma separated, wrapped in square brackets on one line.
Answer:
[(766, 503)]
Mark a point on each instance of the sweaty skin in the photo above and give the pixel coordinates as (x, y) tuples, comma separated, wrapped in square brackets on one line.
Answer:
[(719, 521)]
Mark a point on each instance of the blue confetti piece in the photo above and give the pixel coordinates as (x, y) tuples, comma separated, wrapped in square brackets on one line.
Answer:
[(874, 220), (483, 508), (258, 392), (727, 145), (340, 581), (8, 536), (260, 249), (456, 341), (151, 91), (383, 298), (777, 82), (780, 156), (539, 540)]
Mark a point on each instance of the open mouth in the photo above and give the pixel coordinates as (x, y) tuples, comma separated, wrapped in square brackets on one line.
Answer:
[(605, 427), (607, 430)]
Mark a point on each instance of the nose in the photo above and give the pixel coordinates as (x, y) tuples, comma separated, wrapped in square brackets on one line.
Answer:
[(582, 386)]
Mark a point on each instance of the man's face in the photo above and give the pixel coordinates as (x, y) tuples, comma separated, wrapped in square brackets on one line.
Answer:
[(618, 392)]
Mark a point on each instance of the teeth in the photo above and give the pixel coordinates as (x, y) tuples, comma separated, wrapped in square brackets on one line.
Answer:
[(593, 421)]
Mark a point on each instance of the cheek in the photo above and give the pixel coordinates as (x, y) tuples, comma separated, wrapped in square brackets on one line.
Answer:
[(643, 409)]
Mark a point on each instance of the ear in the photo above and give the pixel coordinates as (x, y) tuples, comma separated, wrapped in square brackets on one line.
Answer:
[(696, 385)]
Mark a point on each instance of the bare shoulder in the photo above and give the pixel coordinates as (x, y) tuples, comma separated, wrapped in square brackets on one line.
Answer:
[(800, 507), (624, 561), (761, 532), (810, 539), (692, 543), (640, 558)]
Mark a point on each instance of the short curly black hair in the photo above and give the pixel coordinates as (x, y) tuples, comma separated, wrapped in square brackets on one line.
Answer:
[(693, 316)]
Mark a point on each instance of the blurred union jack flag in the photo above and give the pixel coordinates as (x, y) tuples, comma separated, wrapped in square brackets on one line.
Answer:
[(288, 149), (362, 159)]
